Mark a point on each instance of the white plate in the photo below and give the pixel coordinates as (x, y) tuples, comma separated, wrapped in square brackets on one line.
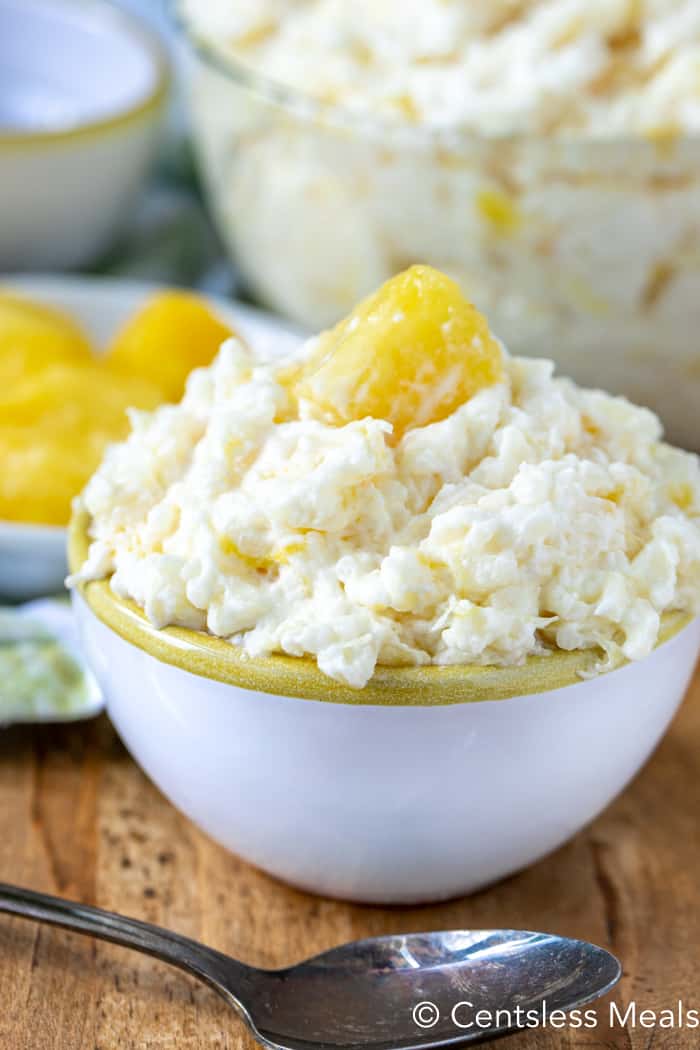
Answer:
[(32, 557)]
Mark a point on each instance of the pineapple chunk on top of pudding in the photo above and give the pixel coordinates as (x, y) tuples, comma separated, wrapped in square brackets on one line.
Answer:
[(410, 354), (401, 491)]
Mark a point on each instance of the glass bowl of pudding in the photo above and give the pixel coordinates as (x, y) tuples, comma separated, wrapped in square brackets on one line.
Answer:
[(545, 156)]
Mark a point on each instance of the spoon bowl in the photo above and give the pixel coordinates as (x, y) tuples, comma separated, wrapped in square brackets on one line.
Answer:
[(405, 992), (429, 989)]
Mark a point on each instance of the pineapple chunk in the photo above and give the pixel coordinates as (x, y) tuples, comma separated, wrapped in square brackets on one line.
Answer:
[(410, 354), (33, 335), (54, 427), (77, 397), (39, 477), (172, 334)]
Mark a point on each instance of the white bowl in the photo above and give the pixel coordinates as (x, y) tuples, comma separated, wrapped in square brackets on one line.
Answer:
[(82, 87), (32, 557), (429, 783)]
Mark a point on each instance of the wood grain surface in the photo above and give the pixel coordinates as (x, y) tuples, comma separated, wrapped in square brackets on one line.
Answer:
[(78, 818)]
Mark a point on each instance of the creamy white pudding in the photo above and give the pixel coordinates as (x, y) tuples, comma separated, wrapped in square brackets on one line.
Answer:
[(297, 507)]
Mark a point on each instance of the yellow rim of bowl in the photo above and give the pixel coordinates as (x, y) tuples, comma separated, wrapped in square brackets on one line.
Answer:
[(122, 118), (210, 657)]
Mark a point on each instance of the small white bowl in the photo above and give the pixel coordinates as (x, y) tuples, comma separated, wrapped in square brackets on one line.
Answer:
[(33, 557), (429, 783), (82, 87)]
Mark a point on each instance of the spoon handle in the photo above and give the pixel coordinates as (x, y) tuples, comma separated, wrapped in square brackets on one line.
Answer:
[(225, 975)]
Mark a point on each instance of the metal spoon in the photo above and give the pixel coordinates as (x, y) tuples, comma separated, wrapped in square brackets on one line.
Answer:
[(402, 992)]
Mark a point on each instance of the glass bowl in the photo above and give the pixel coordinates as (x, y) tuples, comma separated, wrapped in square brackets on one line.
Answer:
[(583, 251)]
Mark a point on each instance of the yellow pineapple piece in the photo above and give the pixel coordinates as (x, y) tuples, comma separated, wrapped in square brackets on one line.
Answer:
[(77, 396), (54, 427), (33, 335), (499, 210), (172, 334), (39, 476), (411, 354)]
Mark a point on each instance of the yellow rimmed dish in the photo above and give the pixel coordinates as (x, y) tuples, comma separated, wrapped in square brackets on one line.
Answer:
[(417, 787), (204, 654), (76, 139)]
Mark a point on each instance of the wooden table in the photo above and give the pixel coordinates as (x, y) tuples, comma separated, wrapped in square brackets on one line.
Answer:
[(78, 818)]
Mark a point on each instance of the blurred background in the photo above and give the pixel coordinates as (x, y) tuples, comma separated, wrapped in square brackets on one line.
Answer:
[(100, 205), (294, 163), (171, 238), (578, 233)]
